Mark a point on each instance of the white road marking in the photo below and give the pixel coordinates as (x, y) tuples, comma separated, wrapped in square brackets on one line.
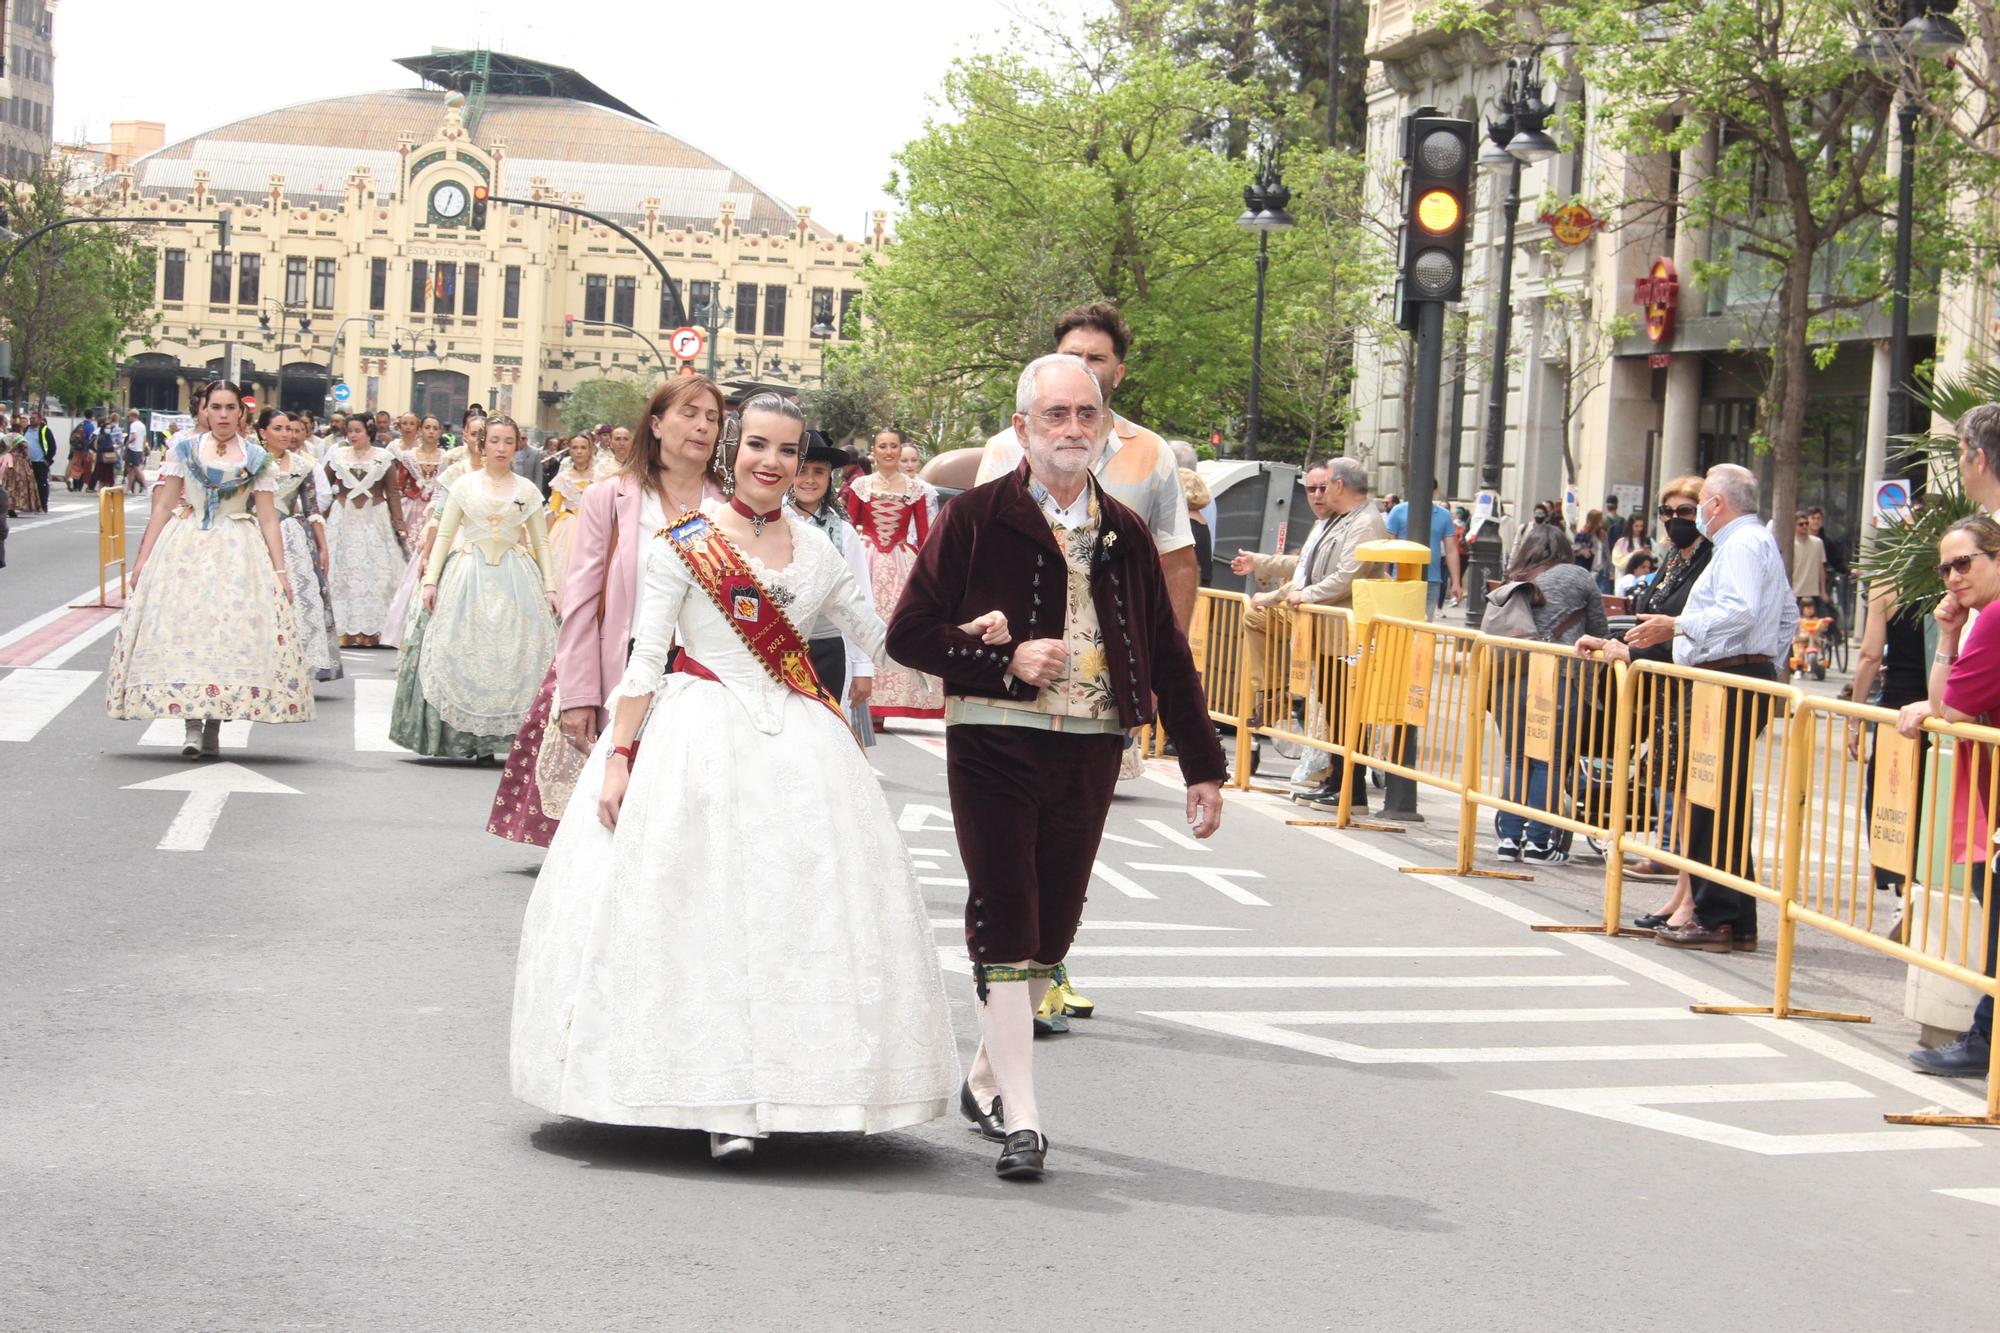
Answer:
[(1312, 951), (1821, 1041), (208, 789), (27, 627), (952, 962), (1130, 888), (925, 851), (919, 818), (1990, 1197), (1174, 836), (1640, 1106), (924, 865), (30, 700), (170, 731), (373, 702), (1122, 840), (1266, 1028), (941, 922), (55, 657), (943, 881), (1215, 877), (1452, 1017)]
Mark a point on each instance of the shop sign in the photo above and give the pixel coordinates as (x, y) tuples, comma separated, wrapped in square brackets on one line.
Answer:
[(1572, 224), (1658, 294)]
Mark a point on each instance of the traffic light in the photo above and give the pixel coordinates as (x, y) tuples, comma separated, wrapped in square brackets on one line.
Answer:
[(1437, 209), (479, 193), (569, 325), (222, 230)]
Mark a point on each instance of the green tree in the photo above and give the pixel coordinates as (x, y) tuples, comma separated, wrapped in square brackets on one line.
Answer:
[(620, 402), (73, 298), (1799, 189), (1093, 166), (854, 394)]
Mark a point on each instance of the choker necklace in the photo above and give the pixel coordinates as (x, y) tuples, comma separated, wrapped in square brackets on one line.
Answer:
[(757, 520)]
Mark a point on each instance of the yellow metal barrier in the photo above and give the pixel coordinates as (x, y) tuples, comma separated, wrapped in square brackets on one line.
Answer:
[(1300, 660), (1413, 705), (110, 545)]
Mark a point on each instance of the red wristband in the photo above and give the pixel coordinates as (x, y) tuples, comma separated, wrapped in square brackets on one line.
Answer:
[(631, 752)]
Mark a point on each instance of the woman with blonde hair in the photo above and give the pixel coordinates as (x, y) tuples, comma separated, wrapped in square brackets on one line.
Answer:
[(1198, 499)]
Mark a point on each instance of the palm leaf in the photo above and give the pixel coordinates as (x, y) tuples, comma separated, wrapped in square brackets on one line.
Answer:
[(1905, 552)]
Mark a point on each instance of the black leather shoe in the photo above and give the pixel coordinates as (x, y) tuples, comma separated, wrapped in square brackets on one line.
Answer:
[(1651, 921), (1022, 1158), (988, 1123), (1965, 1056)]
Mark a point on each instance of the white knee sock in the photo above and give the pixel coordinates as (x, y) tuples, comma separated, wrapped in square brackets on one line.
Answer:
[(980, 1077), (1007, 1029)]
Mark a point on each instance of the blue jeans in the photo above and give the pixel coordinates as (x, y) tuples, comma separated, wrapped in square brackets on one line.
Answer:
[(1512, 825)]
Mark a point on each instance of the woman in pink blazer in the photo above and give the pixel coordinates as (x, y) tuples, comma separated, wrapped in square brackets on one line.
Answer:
[(668, 473)]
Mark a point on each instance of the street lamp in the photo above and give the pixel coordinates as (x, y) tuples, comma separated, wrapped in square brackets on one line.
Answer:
[(1516, 137), (305, 330), (1263, 212), (1925, 33)]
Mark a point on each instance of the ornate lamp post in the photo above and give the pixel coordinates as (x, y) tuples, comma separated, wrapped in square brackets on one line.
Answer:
[(1518, 137), (1263, 212)]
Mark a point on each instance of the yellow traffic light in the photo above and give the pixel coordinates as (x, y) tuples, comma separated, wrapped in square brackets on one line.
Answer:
[(1438, 211)]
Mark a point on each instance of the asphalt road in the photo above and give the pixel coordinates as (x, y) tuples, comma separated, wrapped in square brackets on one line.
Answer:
[(263, 1085)]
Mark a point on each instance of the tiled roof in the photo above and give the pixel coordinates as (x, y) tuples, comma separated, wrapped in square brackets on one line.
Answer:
[(615, 161)]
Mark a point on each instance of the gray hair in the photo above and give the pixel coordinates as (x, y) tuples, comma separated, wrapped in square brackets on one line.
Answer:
[(1979, 431), (1736, 485), (1184, 454), (1349, 472), (1024, 390)]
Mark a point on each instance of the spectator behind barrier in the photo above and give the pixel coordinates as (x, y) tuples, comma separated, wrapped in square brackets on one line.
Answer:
[(1570, 605), (1965, 687)]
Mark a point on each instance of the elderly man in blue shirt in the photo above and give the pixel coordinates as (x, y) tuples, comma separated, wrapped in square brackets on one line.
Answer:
[(1740, 619)]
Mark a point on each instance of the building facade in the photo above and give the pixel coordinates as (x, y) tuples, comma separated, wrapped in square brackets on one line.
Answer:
[(1596, 403), (27, 87), (355, 276)]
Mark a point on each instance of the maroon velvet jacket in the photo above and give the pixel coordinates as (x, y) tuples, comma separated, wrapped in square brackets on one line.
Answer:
[(993, 551)]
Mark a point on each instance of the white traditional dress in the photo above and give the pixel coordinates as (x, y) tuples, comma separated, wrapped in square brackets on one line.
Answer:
[(420, 488), (361, 541), (700, 967), (894, 522), (469, 671), (208, 632), (299, 503)]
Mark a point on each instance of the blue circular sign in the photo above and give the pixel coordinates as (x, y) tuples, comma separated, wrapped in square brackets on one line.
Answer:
[(341, 393)]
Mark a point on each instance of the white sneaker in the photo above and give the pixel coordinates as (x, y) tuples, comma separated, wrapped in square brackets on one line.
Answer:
[(1537, 855), (730, 1147)]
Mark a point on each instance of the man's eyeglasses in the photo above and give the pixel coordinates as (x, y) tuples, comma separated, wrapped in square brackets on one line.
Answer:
[(1679, 511), (1315, 490), (1055, 418), (1959, 566)]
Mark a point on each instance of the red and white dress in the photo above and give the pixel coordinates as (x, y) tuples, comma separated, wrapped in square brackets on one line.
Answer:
[(893, 524)]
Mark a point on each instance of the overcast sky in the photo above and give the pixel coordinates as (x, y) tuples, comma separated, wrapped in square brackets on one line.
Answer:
[(808, 100)]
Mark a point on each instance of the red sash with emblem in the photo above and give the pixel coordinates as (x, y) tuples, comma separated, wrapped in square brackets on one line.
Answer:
[(719, 570)]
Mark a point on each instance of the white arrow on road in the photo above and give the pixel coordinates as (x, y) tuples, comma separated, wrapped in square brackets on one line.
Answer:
[(208, 789)]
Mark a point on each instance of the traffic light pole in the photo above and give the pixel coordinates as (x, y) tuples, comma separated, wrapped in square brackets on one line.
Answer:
[(1399, 794), (666, 278), (220, 221), (1485, 552)]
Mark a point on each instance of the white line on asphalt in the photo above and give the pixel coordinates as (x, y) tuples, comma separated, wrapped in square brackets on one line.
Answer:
[(943, 881), (169, 731), (27, 627), (1639, 1106), (373, 700), (30, 700), (1311, 951), (924, 865), (1122, 840), (1174, 836), (955, 922), (59, 516), (1449, 1017), (925, 851), (1130, 888), (952, 962), (1819, 1040), (1272, 1034), (58, 656), (916, 817), (208, 789), (1990, 1197), (1215, 877)]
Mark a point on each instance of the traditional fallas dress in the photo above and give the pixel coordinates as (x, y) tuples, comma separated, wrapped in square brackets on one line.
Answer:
[(469, 670), (893, 526), (312, 607), (700, 967), (565, 507), (420, 488), (208, 632), (361, 539)]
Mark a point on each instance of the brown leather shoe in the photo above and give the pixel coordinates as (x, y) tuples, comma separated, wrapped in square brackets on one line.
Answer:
[(1694, 935)]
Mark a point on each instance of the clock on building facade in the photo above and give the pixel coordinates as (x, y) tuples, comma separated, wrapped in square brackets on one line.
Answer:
[(450, 202)]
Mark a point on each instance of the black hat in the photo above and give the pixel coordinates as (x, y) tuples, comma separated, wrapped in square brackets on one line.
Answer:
[(821, 449)]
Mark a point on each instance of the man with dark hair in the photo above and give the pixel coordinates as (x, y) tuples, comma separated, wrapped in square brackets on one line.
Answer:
[(41, 439)]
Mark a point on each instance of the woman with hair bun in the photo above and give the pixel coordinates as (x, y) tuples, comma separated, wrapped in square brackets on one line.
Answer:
[(893, 511)]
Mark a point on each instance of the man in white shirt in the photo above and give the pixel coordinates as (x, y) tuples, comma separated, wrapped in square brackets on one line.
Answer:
[(1740, 619)]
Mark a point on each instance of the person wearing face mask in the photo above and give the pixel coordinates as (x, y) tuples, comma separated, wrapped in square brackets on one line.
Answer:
[(667, 475), (1740, 619), (679, 967), (1666, 594), (1080, 646)]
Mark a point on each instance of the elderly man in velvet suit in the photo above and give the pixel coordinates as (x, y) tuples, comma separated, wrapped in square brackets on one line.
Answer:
[(1040, 602)]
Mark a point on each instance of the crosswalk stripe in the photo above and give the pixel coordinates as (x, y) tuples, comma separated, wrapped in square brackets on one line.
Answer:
[(1985, 1196), (373, 700), (953, 960), (30, 700), (958, 923), (1312, 951), (1446, 1017), (170, 731)]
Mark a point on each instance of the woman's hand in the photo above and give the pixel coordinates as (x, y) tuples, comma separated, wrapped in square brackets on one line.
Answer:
[(611, 797), (1854, 736), (861, 690), (1910, 718), (990, 628), (555, 605), (430, 597), (1950, 613), (579, 727)]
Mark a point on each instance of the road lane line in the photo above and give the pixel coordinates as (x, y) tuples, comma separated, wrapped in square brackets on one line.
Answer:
[(956, 923), (1449, 1017), (952, 962), (1820, 1041), (1175, 836), (373, 700), (1640, 1107), (107, 622), (1248, 1028), (1311, 951), (27, 627), (1214, 876), (1990, 1197), (30, 700), (1130, 888)]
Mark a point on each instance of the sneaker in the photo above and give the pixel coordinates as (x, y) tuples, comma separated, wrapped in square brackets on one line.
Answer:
[(1509, 850), (730, 1147), (1536, 854), (1965, 1056)]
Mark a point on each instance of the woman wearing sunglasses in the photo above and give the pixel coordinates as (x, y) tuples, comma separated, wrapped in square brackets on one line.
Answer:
[(1688, 554), (1965, 687)]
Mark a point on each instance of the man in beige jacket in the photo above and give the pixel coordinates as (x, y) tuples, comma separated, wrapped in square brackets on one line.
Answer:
[(1321, 574)]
